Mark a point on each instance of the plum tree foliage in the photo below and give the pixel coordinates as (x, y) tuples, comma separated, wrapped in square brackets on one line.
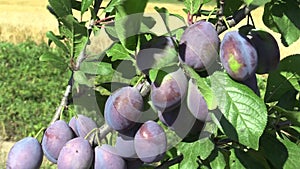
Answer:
[(178, 97)]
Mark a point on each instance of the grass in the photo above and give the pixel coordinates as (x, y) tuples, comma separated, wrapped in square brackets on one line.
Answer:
[(21, 20), (30, 91)]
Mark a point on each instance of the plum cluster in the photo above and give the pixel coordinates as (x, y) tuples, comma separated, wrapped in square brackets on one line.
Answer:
[(67, 145), (141, 140), (174, 96), (247, 53)]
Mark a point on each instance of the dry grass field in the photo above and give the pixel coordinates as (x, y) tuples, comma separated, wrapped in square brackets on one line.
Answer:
[(21, 19)]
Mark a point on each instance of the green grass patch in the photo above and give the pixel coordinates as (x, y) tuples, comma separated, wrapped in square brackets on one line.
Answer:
[(167, 1), (30, 90)]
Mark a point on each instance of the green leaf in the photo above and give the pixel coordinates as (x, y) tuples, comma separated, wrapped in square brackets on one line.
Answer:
[(203, 86), (112, 4), (57, 61), (157, 75), (293, 78), (80, 78), (179, 33), (284, 79), (76, 5), (218, 162), (293, 154), (283, 17), (251, 159), (76, 33), (191, 151), (111, 31), (293, 116), (234, 162), (164, 13), (231, 6), (129, 13), (118, 52), (96, 68), (147, 24), (85, 4), (61, 7), (57, 41), (192, 5), (274, 151), (243, 109), (256, 3), (153, 74)]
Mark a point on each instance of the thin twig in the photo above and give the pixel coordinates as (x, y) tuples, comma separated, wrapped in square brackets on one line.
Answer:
[(169, 163)]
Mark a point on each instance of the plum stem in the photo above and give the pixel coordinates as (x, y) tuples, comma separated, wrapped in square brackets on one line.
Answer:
[(209, 15), (90, 133), (139, 81), (39, 132), (226, 23)]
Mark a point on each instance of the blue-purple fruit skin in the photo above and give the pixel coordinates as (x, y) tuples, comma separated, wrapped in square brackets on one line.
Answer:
[(55, 137), (196, 102), (150, 142), (106, 157), (199, 45), (123, 108), (84, 125), (125, 147), (72, 124), (267, 51), (251, 82), (238, 56), (77, 153), (181, 120), (170, 92), (26, 153)]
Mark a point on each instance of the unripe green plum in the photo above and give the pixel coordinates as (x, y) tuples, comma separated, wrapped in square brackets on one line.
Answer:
[(199, 45), (267, 51), (238, 56)]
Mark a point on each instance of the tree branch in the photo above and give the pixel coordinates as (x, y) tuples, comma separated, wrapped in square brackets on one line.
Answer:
[(240, 15), (220, 13), (64, 100)]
